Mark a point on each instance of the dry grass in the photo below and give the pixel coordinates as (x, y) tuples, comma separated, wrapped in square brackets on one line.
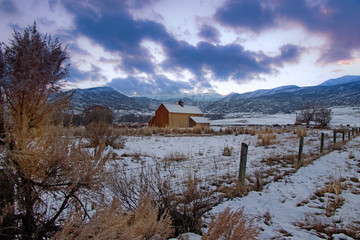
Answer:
[(231, 226), (112, 222), (102, 132), (322, 225), (338, 145), (227, 151), (175, 157), (196, 130), (266, 139), (300, 132)]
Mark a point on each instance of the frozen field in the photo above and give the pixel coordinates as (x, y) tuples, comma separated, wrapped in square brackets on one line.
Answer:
[(340, 116), (287, 197)]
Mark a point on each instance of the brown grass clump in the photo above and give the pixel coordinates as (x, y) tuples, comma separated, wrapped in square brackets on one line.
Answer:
[(266, 139), (231, 226), (112, 222), (228, 131), (300, 132), (196, 130), (338, 146), (227, 151), (323, 225), (175, 157)]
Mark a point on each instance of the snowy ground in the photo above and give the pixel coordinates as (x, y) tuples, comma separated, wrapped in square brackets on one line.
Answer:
[(293, 199), (288, 197), (340, 116)]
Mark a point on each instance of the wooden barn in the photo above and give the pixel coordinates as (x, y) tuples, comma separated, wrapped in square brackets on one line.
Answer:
[(178, 116)]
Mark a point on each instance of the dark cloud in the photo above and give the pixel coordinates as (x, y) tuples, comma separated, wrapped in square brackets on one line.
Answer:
[(289, 53), (209, 33), (7, 6), (118, 31), (336, 20), (223, 61), (94, 75), (249, 14), (159, 85)]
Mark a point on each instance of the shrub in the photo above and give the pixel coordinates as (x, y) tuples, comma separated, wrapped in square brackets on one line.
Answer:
[(196, 130), (301, 132), (102, 132), (98, 114), (186, 208), (112, 222), (227, 151), (231, 226), (266, 139)]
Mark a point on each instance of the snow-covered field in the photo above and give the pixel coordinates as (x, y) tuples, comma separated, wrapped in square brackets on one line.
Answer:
[(340, 116), (288, 197)]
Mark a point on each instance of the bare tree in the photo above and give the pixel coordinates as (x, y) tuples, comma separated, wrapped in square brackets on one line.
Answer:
[(323, 116), (306, 114), (98, 114), (47, 169)]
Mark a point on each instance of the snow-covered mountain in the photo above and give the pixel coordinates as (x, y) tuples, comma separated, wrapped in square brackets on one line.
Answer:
[(344, 91), (340, 80), (105, 96)]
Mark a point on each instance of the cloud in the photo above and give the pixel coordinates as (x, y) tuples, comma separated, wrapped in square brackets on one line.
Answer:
[(209, 33), (8, 7), (289, 53), (93, 75), (158, 85), (248, 14), (118, 32), (223, 61), (335, 20)]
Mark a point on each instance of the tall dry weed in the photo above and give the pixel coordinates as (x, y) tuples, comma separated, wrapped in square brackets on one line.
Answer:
[(232, 226), (300, 132), (112, 222)]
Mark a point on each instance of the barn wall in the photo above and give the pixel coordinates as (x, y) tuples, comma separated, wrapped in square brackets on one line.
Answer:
[(161, 118), (180, 120)]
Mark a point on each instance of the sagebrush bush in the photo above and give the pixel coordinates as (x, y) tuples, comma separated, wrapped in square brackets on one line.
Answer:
[(102, 132), (227, 151), (186, 207), (232, 226), (113, 222)]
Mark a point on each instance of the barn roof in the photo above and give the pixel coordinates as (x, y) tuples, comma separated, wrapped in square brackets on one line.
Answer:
[(174, 108), (200, 119)]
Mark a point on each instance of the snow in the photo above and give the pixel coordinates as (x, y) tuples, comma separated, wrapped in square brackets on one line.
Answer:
[(340, 116), (200, 119), (281, 198), (287, 201), (175, 108)]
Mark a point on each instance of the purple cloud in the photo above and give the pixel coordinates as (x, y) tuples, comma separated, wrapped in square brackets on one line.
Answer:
[(209, 33), (337, 20)]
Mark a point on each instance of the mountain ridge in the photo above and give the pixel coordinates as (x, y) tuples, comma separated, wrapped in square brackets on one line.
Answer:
[(343, 91)]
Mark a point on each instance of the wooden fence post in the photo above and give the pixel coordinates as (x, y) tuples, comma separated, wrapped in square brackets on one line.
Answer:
[(242, 169), (322, 142), (352, 132), (334, 136), (343, 136), (349, 132), (301, 146)]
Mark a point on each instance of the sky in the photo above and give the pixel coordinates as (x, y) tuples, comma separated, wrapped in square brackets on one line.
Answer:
[(172, 47)]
